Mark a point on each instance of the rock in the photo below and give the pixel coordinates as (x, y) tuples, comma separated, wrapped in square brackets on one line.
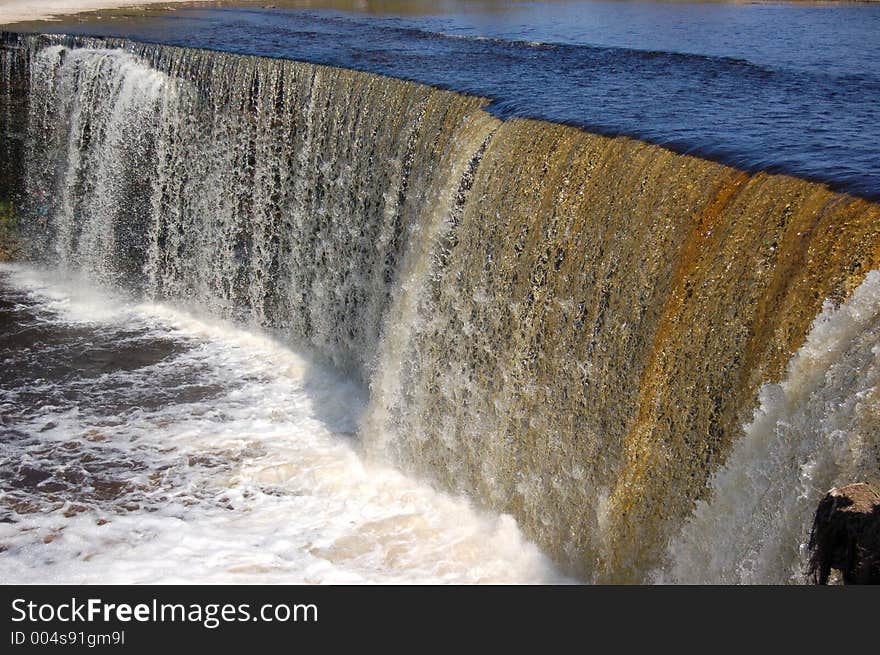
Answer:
[(846, 535)]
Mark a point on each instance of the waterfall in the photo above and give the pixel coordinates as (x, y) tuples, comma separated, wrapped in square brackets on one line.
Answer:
[(570, 328)]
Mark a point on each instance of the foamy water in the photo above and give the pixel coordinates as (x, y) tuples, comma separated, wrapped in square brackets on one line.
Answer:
[(190, 450)]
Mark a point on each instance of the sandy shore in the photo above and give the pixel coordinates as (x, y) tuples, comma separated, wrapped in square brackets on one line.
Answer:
[(15, 11)]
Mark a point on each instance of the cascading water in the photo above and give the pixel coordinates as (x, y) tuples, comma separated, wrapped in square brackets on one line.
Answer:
[(263, 189), (814, 429), (570, 328), (592, 339), (92, 106)]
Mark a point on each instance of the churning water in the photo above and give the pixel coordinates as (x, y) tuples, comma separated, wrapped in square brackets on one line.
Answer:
[(143, 443)]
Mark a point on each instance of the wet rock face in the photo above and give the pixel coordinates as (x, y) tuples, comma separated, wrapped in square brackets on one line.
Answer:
[(846, 535)]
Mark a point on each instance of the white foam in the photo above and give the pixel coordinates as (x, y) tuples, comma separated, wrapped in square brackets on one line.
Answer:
[(287, 498)]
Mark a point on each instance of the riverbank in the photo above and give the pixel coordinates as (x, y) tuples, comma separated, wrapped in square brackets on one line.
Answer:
[(18, 11)]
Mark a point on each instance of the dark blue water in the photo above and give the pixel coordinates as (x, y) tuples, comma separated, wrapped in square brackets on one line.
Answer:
[(764, 87)]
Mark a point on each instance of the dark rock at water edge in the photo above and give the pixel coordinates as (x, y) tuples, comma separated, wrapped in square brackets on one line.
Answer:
[(846, 535)]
